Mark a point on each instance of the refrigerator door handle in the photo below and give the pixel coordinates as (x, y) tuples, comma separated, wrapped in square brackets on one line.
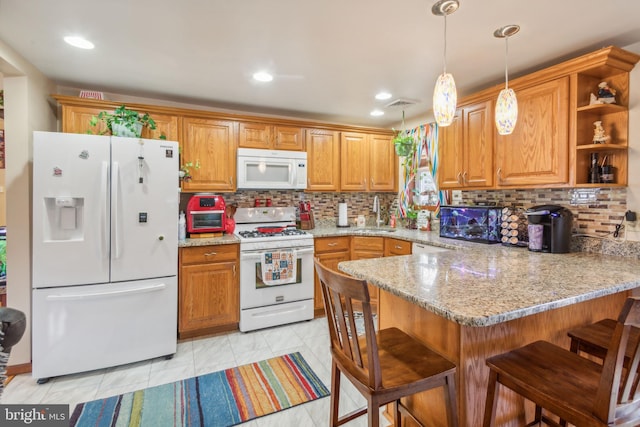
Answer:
[(104, 207), (115, 188), (94, 295)]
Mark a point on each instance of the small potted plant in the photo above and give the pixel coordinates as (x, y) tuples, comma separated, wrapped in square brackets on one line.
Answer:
[(124, 122)]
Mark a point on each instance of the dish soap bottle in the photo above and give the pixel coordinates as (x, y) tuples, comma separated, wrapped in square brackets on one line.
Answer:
[(182, 228)]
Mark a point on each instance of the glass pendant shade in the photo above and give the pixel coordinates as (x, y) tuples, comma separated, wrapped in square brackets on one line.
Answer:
[(445, 99), (506, 111)]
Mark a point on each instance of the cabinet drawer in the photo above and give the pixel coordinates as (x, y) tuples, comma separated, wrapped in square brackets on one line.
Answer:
[(331, 244), (396, 247), (208, 254), (367, 243)]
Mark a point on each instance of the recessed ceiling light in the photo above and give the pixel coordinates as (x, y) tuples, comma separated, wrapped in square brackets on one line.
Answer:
[(377, 113), (80, 42), (262, 76), (383, 95)]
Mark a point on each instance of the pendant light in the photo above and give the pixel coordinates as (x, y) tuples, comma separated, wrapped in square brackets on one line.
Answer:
[(507, 104), (445, 96)]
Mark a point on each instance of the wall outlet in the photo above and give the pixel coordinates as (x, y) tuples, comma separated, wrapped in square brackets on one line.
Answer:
[(632, 226)]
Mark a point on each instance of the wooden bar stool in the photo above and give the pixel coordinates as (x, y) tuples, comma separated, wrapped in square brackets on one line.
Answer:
[(383, 366), (576, 389), (594, 339)]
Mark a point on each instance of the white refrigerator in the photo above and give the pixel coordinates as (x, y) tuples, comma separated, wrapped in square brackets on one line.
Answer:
[(105, 251)]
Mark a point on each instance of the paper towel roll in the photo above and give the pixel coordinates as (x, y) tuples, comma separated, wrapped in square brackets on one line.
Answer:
[(342, 215)]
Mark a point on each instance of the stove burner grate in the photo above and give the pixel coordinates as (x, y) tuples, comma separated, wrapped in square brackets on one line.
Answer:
[(286, 232)]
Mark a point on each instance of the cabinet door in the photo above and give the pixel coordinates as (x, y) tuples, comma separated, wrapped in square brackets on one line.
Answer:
[(331, 261), (166, 125), (323, 160), (288, 138), (213, 144), (254, 135), (478, 145), (209, 296), (450, 149), (537, 152), (354, 161), (78, 119), (383, 163)]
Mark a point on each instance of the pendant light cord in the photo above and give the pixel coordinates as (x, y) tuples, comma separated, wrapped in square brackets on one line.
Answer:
[(444, 54), (506, 65)]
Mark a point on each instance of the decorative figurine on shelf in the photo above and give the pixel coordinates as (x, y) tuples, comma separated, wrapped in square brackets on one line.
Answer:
[(606, 94), (598, 133)]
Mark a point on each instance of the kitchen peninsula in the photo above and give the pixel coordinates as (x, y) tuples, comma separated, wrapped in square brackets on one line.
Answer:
[(479, 300)]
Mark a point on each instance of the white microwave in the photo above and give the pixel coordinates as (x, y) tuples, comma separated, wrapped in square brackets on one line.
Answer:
[(271, 169)]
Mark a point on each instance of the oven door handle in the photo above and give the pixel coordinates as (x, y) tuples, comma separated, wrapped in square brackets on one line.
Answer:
[(258, 254)]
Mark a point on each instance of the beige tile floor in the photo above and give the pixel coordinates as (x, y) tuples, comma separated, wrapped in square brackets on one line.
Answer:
[(199, 356)]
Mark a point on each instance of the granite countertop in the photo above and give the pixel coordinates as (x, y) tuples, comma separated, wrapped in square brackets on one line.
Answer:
[(226, 239), (485, 285)]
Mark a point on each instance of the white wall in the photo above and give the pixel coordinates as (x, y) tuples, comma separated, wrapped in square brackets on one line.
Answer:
[(27, 108), (633, 191)]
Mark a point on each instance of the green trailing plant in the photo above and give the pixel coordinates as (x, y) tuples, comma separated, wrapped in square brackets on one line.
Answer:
[(185, 170), (403, 142), (123, 122)]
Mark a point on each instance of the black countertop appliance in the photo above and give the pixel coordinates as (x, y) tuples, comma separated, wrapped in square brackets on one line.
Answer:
[(557, 224)]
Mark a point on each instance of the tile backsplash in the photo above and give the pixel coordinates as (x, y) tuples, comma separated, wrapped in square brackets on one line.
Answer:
[(324, 205), (596, 218)]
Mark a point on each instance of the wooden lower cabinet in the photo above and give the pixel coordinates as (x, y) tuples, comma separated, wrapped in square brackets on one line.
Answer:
[(330, 251), (209, 293), (363, 247), (396, 247)]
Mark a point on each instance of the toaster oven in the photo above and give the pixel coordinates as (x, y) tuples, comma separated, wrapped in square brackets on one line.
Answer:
[(205, 213)]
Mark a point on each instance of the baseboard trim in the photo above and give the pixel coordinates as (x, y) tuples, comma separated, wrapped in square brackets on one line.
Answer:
[(24, 368)]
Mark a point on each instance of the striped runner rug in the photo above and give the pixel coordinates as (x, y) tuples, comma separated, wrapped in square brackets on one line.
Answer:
[(220, 399)]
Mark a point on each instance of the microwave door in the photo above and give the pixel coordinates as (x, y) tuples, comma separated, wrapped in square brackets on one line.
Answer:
[(268, 173)]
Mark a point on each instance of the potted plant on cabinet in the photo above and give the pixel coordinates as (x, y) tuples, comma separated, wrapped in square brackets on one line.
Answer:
[(124, 122)]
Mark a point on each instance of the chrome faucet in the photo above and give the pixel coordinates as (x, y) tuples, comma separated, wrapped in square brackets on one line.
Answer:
[(376, 209)]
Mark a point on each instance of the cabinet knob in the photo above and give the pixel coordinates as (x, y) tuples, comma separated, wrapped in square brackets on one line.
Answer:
[(499, 174), (211, 253), (234, 269), (458, 177), (332, 244), (464, 177), (398, 247)]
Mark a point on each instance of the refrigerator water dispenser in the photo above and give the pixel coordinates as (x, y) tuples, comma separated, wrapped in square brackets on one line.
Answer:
[(63, 219)]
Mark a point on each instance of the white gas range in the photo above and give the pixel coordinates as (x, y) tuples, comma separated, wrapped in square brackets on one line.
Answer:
[(276, 268)]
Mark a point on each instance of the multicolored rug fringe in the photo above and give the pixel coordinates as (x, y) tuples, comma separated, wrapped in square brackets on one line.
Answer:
[(220, 399)]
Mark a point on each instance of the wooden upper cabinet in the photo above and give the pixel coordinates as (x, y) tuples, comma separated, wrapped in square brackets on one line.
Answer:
[(77, 119), (264, 136), (367, 162), (288, 138), (450, 149), (323, 160), (166, 124), (212, 143), (383, 164), (537, 152), (354, 161), (466, 151)]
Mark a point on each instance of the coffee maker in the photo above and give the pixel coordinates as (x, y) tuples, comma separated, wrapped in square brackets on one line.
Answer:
[(556, 223)]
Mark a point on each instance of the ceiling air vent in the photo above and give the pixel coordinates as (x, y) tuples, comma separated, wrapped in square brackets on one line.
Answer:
[(400, 103)]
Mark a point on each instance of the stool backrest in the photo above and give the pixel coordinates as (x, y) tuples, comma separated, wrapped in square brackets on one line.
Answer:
[(357, 355), (618, 396)]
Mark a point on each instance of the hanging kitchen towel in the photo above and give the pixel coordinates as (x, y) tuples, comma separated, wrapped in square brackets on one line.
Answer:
[(279, 267)]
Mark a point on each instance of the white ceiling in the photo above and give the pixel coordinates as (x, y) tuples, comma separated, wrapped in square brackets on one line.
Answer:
[(329, 57)]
